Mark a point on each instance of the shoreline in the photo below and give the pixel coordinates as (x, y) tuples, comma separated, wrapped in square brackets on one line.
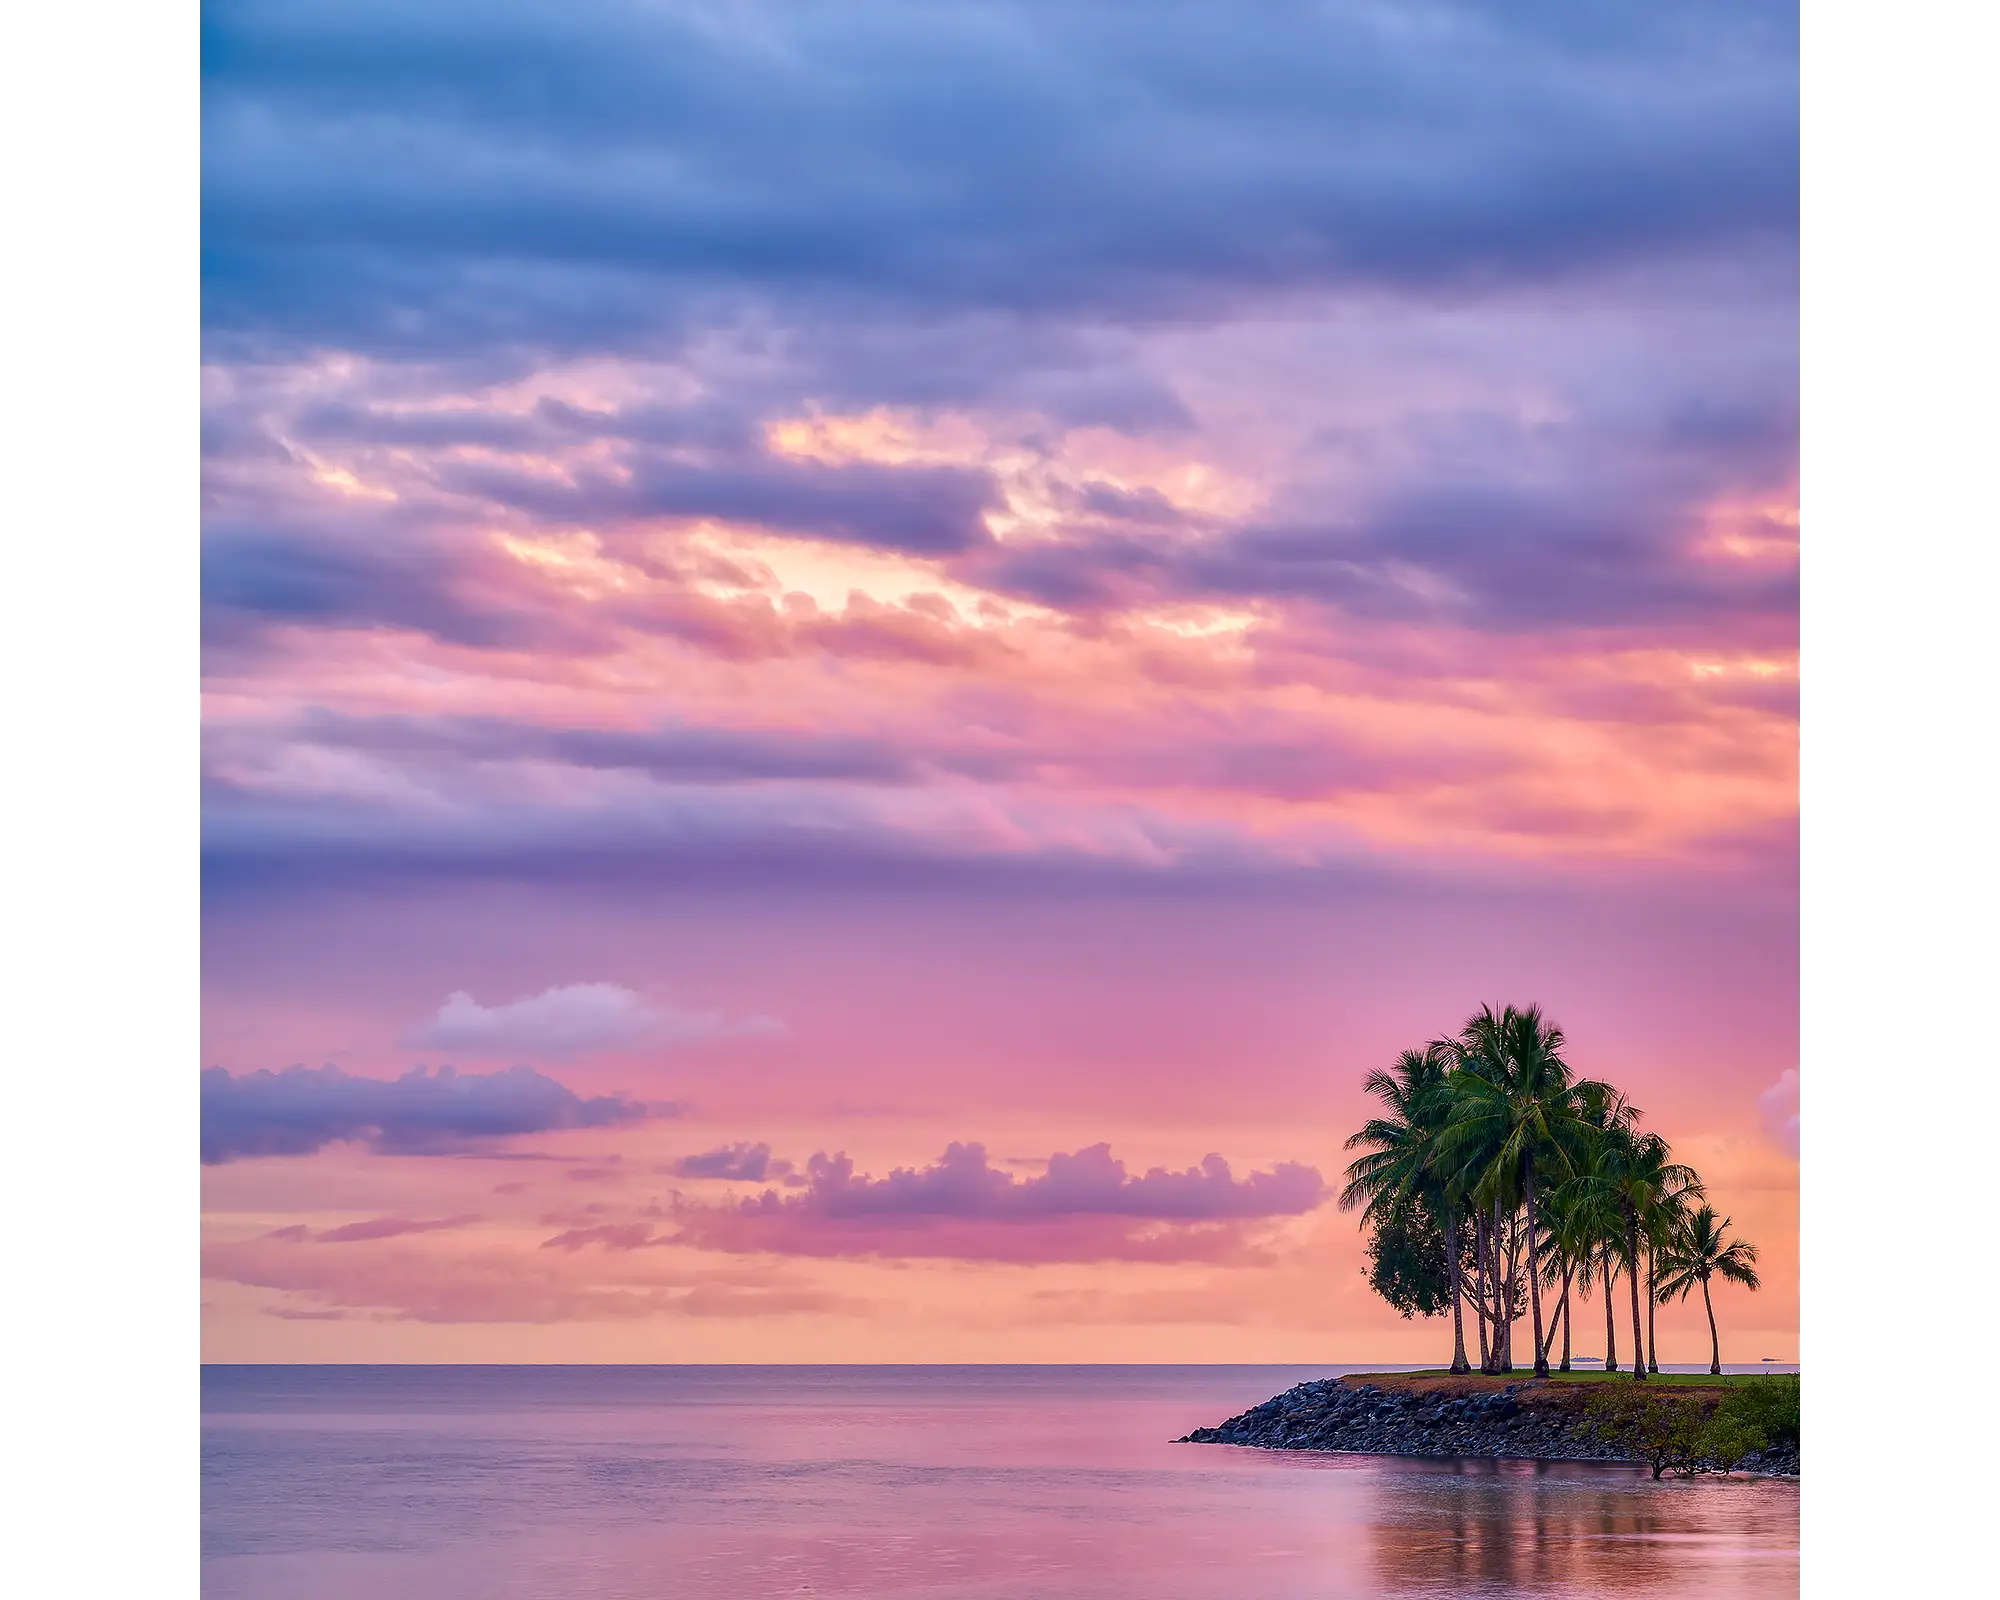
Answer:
[(1444, 1417)]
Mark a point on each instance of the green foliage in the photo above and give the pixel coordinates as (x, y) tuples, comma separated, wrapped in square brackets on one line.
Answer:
[(1770, 1405), (1700, 1248), (1725, 1441), (1663, 1430), (1408, 1264), (1674, 1433), (1400, 1164)]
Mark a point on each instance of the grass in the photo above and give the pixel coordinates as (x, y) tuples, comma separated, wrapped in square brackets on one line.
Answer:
[(1732, 1380)]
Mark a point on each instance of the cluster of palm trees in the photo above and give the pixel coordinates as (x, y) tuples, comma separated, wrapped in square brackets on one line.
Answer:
[(1534, 1187)]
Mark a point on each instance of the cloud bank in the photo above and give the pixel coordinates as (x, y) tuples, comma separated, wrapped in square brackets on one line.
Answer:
[(400, 1280), (1086, 1206), (594, 175), (301, 1110), (1134, 447)]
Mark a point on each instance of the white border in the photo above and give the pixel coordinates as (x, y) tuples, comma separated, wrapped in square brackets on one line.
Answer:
[(98, 621), (1899, 781)]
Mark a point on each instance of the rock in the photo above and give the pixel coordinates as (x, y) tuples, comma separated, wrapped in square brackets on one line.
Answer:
[(1522, 1419)]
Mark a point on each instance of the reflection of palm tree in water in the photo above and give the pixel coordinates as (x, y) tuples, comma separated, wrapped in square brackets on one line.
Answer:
[(1526, 1527)]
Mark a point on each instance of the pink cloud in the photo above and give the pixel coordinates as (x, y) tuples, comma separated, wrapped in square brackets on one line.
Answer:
[(611, 1235), (1245, 675), (1075, 1239), (386, 1228), (571, 1020), (1084, 1207), (496, 1283), (1779, 1108)]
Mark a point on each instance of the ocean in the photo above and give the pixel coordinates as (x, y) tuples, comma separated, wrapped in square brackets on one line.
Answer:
[(905, 1483)]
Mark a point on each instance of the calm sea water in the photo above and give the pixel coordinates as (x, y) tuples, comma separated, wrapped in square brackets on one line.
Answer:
[(946, 1483)]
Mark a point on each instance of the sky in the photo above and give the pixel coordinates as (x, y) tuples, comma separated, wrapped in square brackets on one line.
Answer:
[(859, 658)]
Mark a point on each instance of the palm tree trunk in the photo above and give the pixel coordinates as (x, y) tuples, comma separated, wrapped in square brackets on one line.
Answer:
[(1632, 1276), (1503, 1274), (1493, 1285), (1610, 1316), (1513, 1280), (1535, 1270), (1652, 1309), (1479, 1287), (1714, 1340), (1458, 1361), (1555, 1320), (1565, 1314)]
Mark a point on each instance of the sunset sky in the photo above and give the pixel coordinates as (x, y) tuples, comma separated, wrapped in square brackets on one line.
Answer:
[(861, 656)]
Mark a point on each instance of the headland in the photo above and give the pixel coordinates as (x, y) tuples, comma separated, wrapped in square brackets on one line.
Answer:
[(1667, 1423)]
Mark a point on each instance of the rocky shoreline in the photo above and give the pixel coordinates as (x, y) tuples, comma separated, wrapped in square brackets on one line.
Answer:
[(1443, 1416)]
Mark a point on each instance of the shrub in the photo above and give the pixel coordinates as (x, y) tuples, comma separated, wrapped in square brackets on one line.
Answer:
[(1769, 1405), (1676, 1433), (1725, 1440)]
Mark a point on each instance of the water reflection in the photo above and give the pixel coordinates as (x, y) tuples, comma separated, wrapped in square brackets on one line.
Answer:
[(1553, 1528)]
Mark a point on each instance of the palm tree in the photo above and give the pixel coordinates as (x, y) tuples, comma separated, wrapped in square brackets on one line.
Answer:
[(1666, 1212), (1488, 1141), (1599, 1270), (1698, 1251), (1648, 1175), (1400, 1165), (1469, 1150), (1569, 1242), (1517, 1106), (1593, 1193), (1617, 1180)]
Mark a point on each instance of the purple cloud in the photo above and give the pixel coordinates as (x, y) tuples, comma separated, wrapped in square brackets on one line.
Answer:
[(301, 1110), (743, 1162), (1087, 1206), (371, 1229), (611, 1235), (1091, 1182), (366, 189)]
